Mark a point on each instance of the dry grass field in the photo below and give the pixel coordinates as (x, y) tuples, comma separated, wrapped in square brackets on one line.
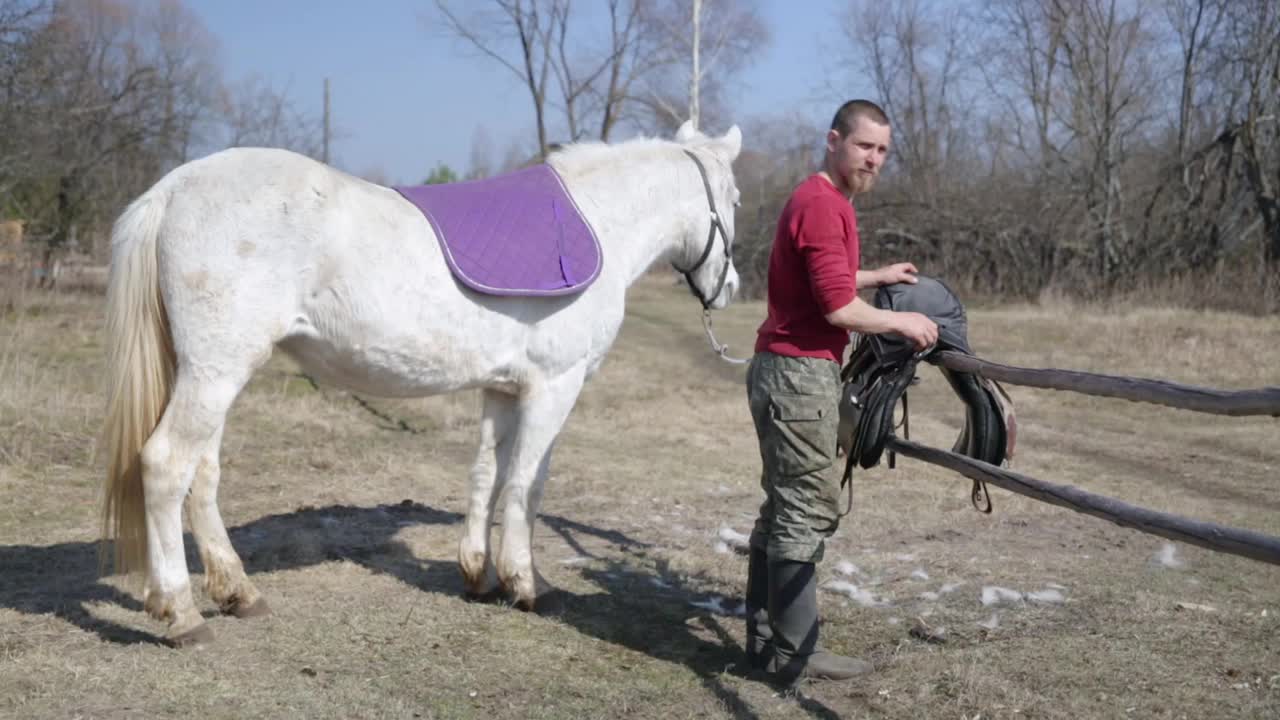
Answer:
[(349, 525)]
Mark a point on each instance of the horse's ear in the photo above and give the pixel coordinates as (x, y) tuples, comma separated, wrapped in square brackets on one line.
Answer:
[(686, 132), (732, 141)]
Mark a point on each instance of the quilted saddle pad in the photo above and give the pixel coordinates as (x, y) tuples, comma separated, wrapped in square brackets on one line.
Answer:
[(515, 234)]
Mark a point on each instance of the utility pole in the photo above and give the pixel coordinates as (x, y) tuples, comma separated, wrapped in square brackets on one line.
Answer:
[(324, 153), (695, 77)]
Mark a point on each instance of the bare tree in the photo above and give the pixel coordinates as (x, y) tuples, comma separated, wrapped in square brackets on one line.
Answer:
[(1250, 56), (19, 21), (253, 113), (1106, 74), (108, 102), (912, 53), (532, 27), (481, 155), (554, 48), (696, 48)]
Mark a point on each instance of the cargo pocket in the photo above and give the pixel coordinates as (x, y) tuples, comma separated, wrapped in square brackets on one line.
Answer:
[(803, 432)]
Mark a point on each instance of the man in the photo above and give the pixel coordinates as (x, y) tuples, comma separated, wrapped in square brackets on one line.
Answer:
[(793, 386)]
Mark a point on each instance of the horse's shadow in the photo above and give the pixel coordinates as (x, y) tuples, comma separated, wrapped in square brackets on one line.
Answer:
[(63, 580)]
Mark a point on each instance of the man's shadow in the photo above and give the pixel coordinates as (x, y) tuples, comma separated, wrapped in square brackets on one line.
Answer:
[(63, 580)]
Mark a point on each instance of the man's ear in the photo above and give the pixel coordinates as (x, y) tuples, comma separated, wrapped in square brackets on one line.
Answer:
[(833, 140)]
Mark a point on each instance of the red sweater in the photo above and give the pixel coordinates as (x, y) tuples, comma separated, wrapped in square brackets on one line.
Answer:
[(812, 271)]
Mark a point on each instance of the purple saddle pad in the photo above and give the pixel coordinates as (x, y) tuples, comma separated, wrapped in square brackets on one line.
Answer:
[(515, 234)]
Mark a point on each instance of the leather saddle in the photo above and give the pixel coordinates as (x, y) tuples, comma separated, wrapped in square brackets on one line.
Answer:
[(882, 367)]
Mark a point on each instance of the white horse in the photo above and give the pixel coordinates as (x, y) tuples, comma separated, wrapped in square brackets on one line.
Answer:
[(231, 255)]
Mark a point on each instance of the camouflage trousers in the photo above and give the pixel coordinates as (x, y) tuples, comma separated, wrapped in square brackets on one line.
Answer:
[(794, 403)]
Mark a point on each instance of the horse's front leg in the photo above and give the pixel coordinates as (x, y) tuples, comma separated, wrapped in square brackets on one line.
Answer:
[(493, 460), (543, 410)]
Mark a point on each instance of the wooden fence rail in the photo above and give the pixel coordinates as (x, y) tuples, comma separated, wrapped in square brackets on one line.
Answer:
[(1261, 401), (1246, 543)]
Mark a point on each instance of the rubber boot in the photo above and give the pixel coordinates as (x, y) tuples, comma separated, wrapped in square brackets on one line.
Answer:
[(793, 615), (759, 634)]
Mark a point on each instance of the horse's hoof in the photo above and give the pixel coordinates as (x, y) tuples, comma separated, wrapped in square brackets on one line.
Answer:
[(195, 637), (258, 608)]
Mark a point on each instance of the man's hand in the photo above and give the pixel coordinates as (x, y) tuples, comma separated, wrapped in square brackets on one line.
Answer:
[(896, 273), (919, 329), (861, 317)]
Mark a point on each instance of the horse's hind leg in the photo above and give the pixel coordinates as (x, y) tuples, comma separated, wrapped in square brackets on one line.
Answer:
[(224, 576), (191, 422), (493, 458)]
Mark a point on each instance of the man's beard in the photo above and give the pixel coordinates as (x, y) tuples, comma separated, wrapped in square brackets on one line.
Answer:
[(860, 182)]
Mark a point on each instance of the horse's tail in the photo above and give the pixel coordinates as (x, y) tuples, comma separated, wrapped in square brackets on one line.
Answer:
[(140, 374)]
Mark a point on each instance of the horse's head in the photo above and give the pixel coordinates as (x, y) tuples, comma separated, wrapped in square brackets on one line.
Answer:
[(707, 256)]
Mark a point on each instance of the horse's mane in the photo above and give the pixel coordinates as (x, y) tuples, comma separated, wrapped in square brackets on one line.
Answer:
[(582, 158)]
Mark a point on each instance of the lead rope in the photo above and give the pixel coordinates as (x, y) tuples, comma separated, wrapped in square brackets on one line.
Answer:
[(722, 351)]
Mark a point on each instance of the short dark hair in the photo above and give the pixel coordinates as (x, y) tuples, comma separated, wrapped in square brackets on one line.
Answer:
[(847, 116)]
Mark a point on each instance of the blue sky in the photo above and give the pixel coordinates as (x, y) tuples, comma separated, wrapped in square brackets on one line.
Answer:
[(406, 96)]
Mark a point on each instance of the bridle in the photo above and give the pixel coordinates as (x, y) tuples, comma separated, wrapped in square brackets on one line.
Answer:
[(716, 226)]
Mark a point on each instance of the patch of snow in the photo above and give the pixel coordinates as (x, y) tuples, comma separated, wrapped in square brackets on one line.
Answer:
[(1168, 556), (994, 595), (719, 605), (844, 567), (853, 592), (1050, 595), (928, 596), (722, 548), (950, 587), (578, 560), (919, 574), (991, 623), (733, 538), (659, 582)]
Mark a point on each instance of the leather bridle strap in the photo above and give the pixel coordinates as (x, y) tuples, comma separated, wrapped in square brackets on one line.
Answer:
[(716, 226)]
